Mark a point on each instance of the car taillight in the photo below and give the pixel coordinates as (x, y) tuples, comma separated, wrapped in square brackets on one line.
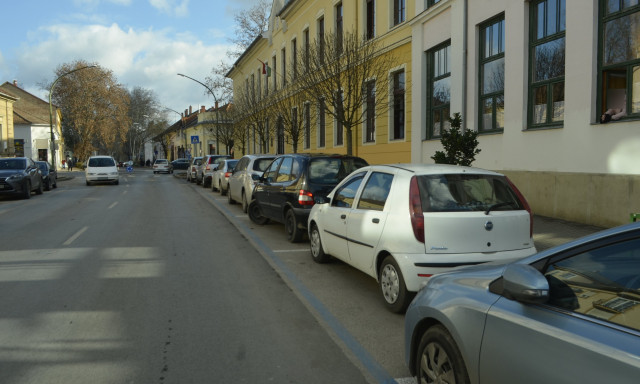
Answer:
[(524, 202), (415, 210), (227, 174), (305, 197)]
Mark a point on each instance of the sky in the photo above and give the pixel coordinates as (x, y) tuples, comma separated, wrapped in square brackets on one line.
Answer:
[(144, 42)]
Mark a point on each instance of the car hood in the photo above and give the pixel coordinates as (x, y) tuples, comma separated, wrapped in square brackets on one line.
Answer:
[(10, 172)]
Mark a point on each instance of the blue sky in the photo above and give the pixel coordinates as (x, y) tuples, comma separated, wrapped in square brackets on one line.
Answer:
[(144, 42)]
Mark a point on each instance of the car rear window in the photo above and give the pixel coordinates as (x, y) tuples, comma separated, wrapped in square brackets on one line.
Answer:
[(101, 162), (465, 192), (161, 161), (262, 164), (331, 170)]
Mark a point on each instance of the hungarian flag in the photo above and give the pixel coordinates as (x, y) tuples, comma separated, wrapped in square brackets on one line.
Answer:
[(266, 70)]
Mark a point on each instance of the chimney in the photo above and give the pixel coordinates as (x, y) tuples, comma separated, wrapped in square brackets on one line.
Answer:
[(203, 109), (186, 112), (190, 110), (216, 104), (15, 82)]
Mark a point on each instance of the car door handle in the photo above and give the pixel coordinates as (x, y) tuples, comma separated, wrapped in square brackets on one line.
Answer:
[(343, 217), (375, 221)]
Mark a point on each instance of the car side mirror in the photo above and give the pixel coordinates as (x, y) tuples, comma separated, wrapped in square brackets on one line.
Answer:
[(257, 178), (522, 282)]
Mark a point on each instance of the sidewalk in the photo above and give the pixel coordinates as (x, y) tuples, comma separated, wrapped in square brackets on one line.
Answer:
[(549, 232)]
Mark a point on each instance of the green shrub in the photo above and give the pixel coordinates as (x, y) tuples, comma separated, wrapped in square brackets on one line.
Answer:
[(459, 148)]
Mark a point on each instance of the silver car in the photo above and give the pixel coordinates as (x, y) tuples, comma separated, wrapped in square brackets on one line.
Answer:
[(220, 178), (241, 181), (570, 314)]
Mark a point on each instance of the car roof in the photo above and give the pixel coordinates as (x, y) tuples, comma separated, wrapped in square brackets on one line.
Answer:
[(432, 169), (100, 156)]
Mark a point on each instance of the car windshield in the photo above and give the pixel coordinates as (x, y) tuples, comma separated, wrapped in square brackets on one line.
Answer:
[(262, 164), (101, 162), (12, 164), (466, 192), (331, 170), (231, 164), (42, 166)]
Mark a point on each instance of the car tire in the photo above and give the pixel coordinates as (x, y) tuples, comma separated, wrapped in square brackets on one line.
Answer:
[(154, 172), (294, 233), (222, 190), (245, 204), (439, 358), (40, 189), (198, 181), (47, 186), (255, 214), (88, 183), (26, 194), (55, 183), (392, 286), (116, 182), (317, 251)]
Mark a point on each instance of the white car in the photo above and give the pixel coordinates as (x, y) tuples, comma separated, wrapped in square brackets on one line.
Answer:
[(103, 169), (162, 165), (403, 223), (241, 181), (220, 178)]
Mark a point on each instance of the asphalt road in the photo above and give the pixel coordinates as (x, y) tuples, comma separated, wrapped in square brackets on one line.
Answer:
[(148, 282)]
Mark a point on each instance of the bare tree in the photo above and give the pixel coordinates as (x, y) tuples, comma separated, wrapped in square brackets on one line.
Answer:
[(94, 108), (351, 75), (143, 112), (292, 109), (249, 25), (255, 111)]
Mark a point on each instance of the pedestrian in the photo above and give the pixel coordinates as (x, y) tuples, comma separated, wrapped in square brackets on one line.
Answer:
[(70, 165)]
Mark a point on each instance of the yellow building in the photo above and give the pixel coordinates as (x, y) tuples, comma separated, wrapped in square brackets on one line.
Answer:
[(274, 62), (6, 124)]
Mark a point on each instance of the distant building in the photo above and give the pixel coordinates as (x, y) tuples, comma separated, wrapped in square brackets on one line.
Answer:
[(7, 135)]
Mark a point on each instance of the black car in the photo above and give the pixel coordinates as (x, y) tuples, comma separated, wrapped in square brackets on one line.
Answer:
[(20, 176), (49, 175), (287, 189), (181, 163)]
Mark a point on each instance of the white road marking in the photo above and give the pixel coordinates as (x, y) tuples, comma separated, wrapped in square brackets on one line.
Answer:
[(75, 236), (113, 205)]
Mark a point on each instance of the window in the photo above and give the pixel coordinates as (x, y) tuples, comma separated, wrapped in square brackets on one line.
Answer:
[(375, 192), (439, 90), (284, 173), (321, 40), (321, 124), (431, 3), (370, 18), (620, 60), (305, 37), (370, 112), (492, 75), (307, 125), (399, 9), (344, 196), (602, 283), (259, 85), (339, 27), (547, 53), (284, 67), (397, 128), (294, 58), (274, 72)]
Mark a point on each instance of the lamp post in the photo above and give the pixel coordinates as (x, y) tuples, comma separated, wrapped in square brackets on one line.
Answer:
[(53, 137), (182, 134), (217, 112)]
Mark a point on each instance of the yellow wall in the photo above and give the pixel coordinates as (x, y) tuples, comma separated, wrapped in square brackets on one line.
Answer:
[(302, 15), (6, 125)]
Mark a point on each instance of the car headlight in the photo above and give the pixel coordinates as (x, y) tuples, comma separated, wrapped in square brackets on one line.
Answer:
[(16, 176)]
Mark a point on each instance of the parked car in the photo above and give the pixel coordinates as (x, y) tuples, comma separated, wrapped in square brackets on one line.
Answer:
[(192, 171), (162, 165), (180, 164), (101, 169), (285, 192), (243, 179), (20, 176), (404, 223), (49, 175), (209, 165), (570, 314), (220, 179)]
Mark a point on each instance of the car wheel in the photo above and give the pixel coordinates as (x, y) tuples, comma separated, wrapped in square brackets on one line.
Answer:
[(55, 183), (47, 186), (27, 190), (88, 183), (317, 251), (294, 233), (199, 181), (394, 291), (40, 189), (116, 182), (255, 213), (245, 204), (154, 172), (222, 190), (439, 359)]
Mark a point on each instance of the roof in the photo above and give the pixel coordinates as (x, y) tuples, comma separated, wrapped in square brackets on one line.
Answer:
[(426, 169), (28, 108)]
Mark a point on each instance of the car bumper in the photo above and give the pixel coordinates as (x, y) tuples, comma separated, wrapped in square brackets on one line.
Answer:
[(101, 177), (12, 187), (418, 268)]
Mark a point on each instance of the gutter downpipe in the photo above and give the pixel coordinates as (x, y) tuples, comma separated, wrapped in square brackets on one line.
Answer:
[(464, 64)]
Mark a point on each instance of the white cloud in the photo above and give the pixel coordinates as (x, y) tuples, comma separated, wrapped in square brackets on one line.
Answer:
[(147, 58), (179, 8)]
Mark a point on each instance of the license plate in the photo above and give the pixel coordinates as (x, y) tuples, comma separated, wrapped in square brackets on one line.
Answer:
[(103, 178)]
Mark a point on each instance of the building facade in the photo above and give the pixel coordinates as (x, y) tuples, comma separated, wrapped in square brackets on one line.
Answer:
[(6, 124), (270, 64), (534, 78)]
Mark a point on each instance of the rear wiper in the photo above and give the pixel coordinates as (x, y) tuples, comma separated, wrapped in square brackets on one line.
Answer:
[(498, 205)]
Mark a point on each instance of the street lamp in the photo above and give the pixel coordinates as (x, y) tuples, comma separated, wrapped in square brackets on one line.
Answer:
[(53, 137), (217, 112), (182, 134)]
